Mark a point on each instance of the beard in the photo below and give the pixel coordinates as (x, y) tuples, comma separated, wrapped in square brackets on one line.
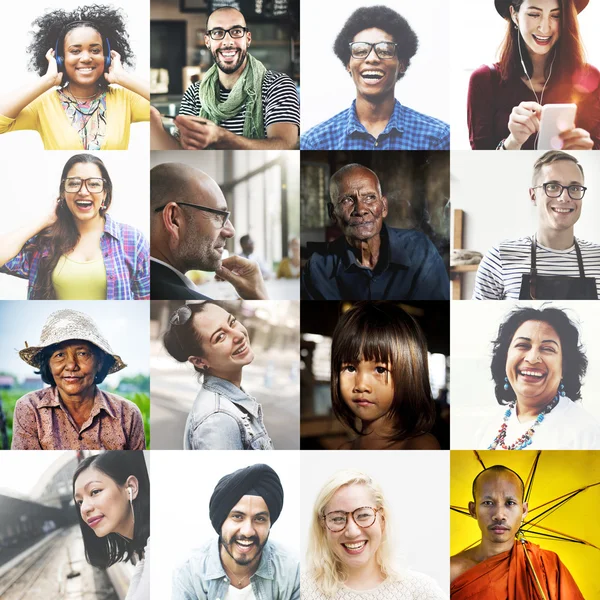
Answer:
[(232, 68), (243, 560), (199, 254)]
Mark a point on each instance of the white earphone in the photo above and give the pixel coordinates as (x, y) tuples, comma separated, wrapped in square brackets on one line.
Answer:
[(130, 494)]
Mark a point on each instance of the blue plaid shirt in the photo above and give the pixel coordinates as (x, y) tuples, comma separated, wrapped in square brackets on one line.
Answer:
[(126, 259), (407, 129)]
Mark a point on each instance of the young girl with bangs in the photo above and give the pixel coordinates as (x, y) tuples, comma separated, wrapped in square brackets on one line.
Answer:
[(380, 379)]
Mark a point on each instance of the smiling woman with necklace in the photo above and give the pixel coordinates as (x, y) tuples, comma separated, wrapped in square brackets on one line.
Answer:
[(84, 98), (538, 365)]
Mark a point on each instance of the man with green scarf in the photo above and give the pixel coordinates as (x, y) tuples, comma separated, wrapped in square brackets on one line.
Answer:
[(239, 103)]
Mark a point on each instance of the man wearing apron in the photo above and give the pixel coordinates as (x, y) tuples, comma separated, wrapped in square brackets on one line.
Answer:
[(552, 264)]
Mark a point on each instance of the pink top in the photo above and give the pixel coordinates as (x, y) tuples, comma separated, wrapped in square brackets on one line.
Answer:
[(42, 422)]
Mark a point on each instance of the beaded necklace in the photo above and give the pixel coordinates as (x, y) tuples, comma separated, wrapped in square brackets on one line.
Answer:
[(525, 439)]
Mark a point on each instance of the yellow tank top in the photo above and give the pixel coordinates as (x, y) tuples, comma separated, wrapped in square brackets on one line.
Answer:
[(79, 281)]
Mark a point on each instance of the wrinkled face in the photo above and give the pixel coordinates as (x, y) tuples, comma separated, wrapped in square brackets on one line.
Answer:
[(229, 53), (74, 366), (539, 24), (223, 339), (374, 76), (367, 388), (498, 506), (357, 205), (534, 363), (103, 504), (84, 205), (246, 530), (557, 214), (203, 236), (83, 56), (354, 546)]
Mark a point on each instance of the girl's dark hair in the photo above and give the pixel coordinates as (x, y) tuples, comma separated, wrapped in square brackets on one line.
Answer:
[(379, 17), (102, 552), (52, 26), (569, 56), (44, 362), (383, 332), (574, 361), (61, 237), (181, 338)]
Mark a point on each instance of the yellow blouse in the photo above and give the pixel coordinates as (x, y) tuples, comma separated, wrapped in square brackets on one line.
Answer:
[(74, 280), (47, 116)]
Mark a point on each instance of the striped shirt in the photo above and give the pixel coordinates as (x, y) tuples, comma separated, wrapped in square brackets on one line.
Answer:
[(126, 256), (279, 101), (500, 271)]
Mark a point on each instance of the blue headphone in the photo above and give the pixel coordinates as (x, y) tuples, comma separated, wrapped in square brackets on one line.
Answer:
[(60, 63)]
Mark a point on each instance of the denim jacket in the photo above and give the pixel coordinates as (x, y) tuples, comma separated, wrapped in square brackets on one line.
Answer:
[(202, 576), (224, 417)]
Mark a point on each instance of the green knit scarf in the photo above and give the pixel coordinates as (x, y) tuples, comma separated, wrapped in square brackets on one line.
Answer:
[(247, 91)]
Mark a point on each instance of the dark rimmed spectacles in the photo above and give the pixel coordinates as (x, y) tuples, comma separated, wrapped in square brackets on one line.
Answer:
[(94, 185), (223, 214), (337, 520), (555, 190), (219, 34), (384, 50)]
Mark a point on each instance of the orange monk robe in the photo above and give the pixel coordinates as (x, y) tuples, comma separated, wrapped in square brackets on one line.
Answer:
[(508, 576)]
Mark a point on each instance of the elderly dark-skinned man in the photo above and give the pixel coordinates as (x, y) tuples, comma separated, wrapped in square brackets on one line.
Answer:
[(371, 261), (189, 227)]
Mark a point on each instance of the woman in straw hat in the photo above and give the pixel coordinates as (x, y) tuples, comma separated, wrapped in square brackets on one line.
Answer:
[(541, 61), (73, 357)]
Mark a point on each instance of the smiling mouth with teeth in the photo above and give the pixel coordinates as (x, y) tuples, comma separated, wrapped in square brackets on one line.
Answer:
[(372, 75), (562, 210), (241, 349), (538, 374)]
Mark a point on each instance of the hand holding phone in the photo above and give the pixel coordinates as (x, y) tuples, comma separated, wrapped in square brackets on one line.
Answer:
[(556, 119)]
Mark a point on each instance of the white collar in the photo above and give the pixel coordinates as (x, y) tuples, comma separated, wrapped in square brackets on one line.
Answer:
[(186, 280)]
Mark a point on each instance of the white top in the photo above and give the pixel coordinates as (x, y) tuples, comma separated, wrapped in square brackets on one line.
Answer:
[(409, 586), (244, 594), (499, 273), (566, 427), (186, 280), (139, 586)]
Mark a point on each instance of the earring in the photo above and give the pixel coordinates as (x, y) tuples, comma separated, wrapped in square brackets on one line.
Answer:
[(506, 384), (561, 389), (102, 206)]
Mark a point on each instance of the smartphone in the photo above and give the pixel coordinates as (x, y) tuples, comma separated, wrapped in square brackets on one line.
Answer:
[(556, 118)]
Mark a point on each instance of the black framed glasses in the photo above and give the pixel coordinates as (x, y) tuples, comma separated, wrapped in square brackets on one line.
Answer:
[(219, 34), (384, 50), (94, 185), (337, 520), (555, 190), (223, 214)]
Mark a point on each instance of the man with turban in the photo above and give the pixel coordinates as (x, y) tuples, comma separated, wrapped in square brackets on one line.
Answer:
[(241, 563), (500, 566)]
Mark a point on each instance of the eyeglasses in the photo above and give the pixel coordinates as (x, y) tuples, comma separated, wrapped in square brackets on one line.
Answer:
[(338, 519), (384, 50), (94, 185), (219, 34), (223, 214), (555, 190)]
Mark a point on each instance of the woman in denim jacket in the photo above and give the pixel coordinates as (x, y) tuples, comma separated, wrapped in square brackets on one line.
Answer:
[(224, 416)]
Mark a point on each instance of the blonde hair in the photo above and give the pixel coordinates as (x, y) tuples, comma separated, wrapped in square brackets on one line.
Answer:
[(327, 570)]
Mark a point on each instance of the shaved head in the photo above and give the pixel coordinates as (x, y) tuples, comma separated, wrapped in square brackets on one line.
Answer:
[(222, 10), (338, 176), (495, 472)]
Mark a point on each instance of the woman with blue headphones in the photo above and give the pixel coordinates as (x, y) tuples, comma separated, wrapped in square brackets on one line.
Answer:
[(541, 61), (79, 54)]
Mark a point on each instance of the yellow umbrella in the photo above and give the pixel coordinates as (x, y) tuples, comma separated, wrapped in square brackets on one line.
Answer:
[(563, 491)]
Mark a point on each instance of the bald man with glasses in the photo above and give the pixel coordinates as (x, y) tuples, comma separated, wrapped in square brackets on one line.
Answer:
[(190, 226)]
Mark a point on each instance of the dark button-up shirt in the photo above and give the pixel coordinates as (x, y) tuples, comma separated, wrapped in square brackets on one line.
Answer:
[(409, 268)]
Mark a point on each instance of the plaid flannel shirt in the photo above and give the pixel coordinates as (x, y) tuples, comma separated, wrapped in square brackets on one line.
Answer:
[(126, 259), (407, 129)]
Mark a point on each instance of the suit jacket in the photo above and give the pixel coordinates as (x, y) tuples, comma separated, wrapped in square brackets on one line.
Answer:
[(165, 285)]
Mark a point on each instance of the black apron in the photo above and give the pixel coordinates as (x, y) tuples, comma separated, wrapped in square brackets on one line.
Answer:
[(557, 287)]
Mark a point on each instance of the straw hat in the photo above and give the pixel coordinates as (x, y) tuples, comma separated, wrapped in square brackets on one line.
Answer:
[(502, 6), (64, 325)]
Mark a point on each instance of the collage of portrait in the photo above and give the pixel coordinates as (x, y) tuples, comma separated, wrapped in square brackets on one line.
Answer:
[(340, 232)]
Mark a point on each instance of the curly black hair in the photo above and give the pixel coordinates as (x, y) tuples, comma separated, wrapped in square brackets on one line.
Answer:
[(574, 361), (108, 21), (379, 17)]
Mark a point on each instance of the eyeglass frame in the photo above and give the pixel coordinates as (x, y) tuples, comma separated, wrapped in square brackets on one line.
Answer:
[(346, 513), (562, 189), (374, 46), (86, 185), (226, 31), (216, 211)]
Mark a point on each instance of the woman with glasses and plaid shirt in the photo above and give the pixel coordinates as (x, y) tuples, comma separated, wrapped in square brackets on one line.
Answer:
[(76, 251)]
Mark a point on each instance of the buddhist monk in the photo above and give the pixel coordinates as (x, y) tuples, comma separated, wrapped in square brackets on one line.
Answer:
[(503, 565)]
